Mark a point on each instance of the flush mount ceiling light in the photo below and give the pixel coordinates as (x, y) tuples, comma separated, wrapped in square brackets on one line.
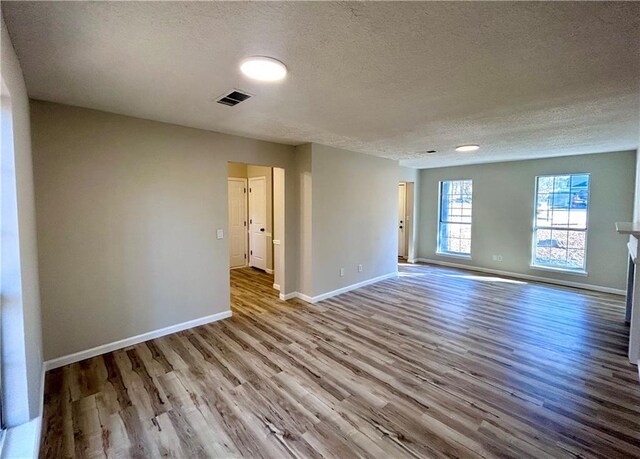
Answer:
[(263, 68), (470, 147)]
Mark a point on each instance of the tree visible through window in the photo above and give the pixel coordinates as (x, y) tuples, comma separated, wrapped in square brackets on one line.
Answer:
[(561, 222), (454, 225)]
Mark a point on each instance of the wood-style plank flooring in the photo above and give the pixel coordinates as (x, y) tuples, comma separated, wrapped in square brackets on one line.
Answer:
[(438, 362)]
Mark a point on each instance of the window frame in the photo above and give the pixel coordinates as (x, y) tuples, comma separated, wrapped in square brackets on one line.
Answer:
[(439, 251), (558, 269)]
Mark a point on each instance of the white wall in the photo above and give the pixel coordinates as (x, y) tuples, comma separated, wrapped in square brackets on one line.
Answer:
[(503, 208), (354, 217), (21, 299), (127, 215)]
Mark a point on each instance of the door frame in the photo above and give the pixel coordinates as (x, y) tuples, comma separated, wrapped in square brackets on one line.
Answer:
[(405, 242), (411, 219), (246, 219)]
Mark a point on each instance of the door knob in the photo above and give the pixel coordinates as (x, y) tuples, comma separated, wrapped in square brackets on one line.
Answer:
[(401, 227), (262, 229)]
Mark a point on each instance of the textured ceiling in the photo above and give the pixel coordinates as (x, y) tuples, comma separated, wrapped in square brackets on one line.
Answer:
[(522, 79)]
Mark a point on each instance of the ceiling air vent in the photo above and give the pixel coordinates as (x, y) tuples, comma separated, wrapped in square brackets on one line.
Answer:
[(233, 98)]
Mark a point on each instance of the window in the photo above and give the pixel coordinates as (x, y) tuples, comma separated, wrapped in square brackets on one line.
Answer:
[(454, 225), (561, 222)]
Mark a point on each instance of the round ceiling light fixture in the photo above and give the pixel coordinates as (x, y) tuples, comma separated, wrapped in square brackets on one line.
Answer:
[(263, 68), (470, 147)]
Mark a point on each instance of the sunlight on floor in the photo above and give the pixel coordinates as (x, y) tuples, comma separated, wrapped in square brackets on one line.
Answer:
[(486, 278)]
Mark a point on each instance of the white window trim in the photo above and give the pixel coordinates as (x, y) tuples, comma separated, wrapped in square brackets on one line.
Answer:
[(575, 272), (560, 270), (453, 254), (466, 256)]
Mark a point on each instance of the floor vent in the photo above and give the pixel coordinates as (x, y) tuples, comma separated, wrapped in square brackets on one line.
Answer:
[(233, 98)]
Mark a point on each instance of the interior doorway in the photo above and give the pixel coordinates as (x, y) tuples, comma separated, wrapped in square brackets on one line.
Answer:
[(406, 216), (402, 217), (256, 221)]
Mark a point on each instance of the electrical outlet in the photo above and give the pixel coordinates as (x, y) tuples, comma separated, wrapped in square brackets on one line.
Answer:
[(220, 233), (341, 272), (497, 258), (360, 268)]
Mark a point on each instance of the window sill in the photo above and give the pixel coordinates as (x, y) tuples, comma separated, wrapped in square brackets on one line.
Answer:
[(454, 255), (573, 272)]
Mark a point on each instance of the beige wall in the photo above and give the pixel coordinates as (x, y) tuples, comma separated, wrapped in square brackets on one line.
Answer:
[(128, 208), (22, 368), (127, 215), (503, 207), (354, 217), (237, 170), (408, 174)]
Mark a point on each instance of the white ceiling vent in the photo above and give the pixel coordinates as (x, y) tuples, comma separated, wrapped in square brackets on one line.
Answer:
[(233, 98)]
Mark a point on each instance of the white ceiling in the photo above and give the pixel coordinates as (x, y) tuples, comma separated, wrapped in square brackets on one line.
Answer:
[(522, 79)]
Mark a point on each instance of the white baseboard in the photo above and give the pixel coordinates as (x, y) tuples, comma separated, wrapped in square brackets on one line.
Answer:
[(339, 291), (288, 296), (269, 271), (411, 260), (98, 350), (276, 286), (596, 288), (303, 297), (348, 288)]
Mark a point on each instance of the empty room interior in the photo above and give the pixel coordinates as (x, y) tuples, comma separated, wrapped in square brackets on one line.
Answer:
[(320, 229)]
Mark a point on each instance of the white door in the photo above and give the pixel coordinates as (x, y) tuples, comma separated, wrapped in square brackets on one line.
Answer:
[(258, 222), (402, 223), (237, 222)]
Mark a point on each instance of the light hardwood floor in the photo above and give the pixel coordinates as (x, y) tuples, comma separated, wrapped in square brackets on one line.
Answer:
[(438, 362)]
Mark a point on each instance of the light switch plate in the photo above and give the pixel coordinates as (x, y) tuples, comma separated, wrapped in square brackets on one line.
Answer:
[(220, 233)]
